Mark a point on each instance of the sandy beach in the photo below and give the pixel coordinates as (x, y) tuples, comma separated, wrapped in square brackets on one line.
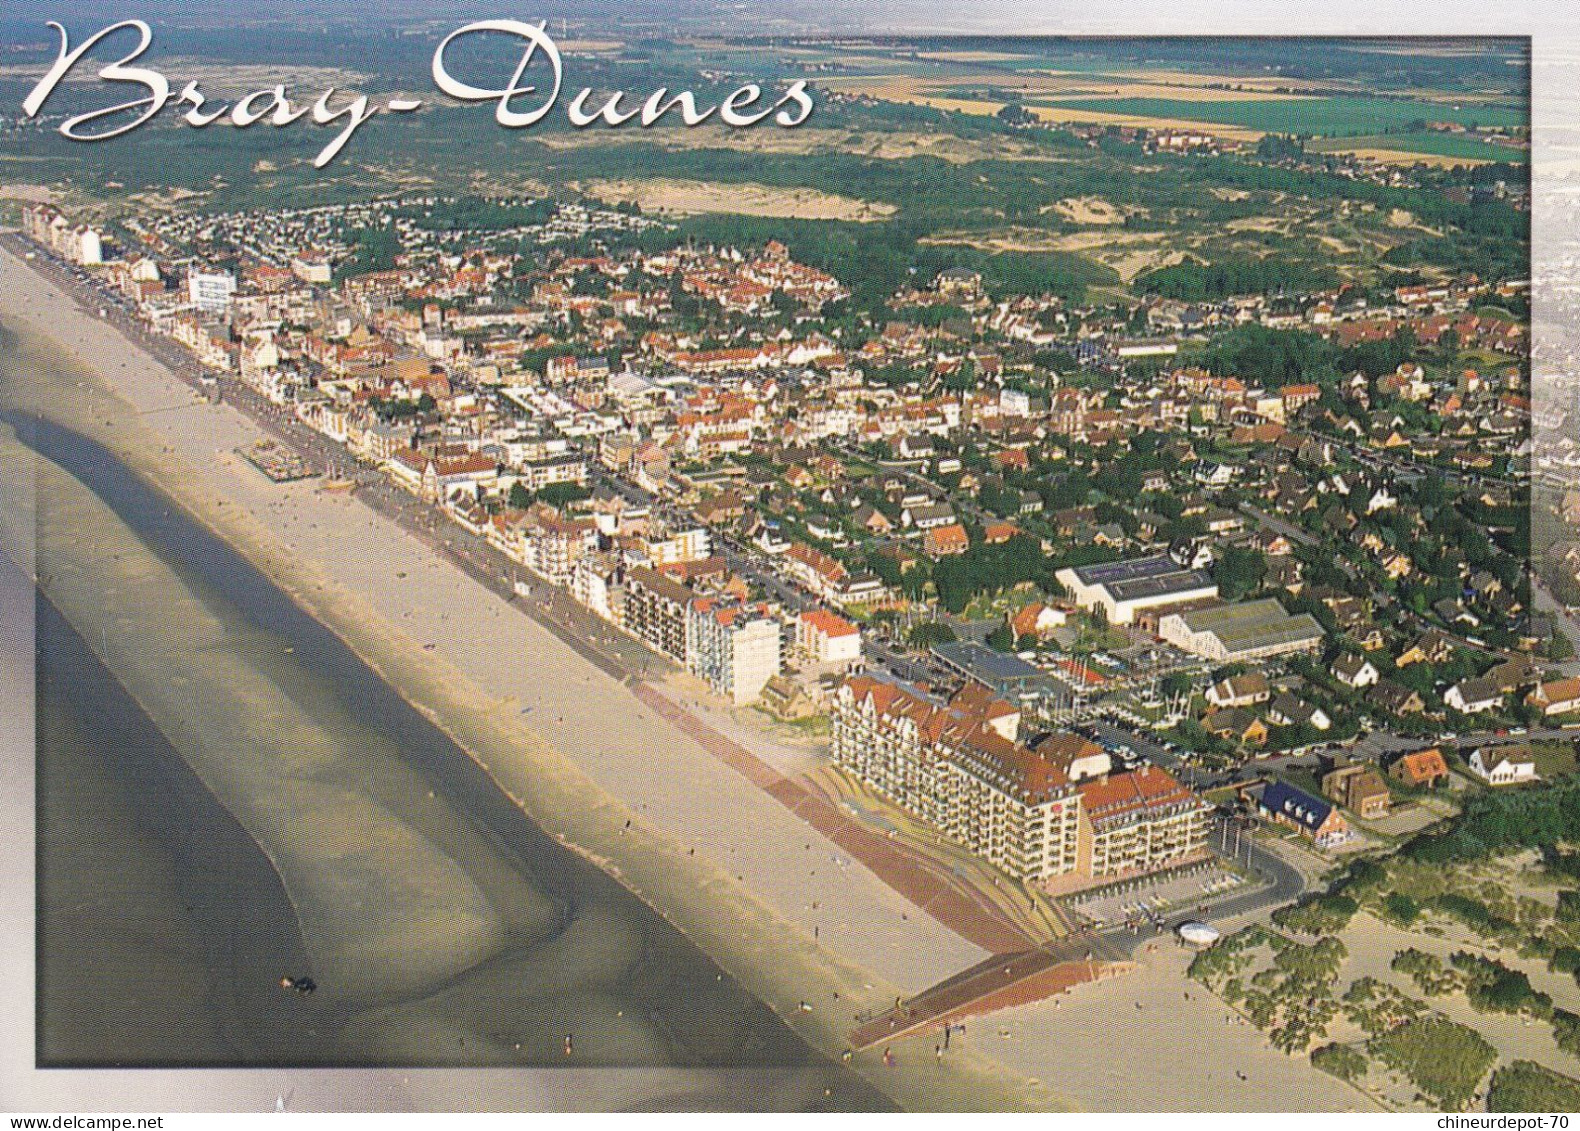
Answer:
[(738, 873), (735, 871), (1154, 1040)]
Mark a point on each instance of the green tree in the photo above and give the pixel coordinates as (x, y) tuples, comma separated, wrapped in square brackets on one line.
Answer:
[(928, 633), (563, 494), (1239, 571), (1341, 1061)]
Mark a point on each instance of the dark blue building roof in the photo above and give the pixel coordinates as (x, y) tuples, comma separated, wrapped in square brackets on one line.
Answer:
[(1296, 804)]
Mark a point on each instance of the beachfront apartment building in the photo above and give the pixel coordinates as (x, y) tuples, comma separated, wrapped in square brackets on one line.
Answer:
[(595, 583), (1038, 814), (1018, 811), (735, 648), (211, 291), (677, 547), (1138, 821), (655, 611), (552, 545), (535, 475), (79, 243)]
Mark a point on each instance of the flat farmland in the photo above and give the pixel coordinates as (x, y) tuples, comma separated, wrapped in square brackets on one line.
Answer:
[(1451, 148), (1328, 117)]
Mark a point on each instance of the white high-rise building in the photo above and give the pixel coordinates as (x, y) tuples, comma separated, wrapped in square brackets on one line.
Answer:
[(89, 250), (735, 648), (211, 291)]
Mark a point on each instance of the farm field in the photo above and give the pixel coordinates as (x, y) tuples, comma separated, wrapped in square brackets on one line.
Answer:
[(1332, 117), (1452, 146)]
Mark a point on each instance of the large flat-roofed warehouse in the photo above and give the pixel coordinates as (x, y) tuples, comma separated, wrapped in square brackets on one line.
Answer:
[(1121, 589), (1248, 631)]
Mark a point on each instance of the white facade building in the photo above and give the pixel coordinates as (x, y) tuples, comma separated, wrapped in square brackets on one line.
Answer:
[(1496, 768), (734, 648), (1122, 589), (211, 291), (824, 638)]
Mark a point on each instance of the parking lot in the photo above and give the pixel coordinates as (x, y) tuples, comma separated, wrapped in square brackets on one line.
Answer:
[(1155, 897)]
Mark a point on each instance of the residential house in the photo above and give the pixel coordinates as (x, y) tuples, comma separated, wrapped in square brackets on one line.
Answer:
[(785, 699), (1290, 710), (1355, 671), (1358, 788), (1473, 696), (1316, 818), (1503, 765), (1036, 620), (1240, 691), (926, 516), (1420, 768), (1395, 698), (1431, 647), (1556, 697), (1236, 724), (945, 541), (826, 638)]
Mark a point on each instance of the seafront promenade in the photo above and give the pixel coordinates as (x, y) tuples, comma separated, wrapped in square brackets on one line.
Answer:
[(743, 876), (931, 888), (782, 904)]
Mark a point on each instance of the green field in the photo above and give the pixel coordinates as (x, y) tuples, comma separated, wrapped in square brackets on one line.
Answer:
[(1445, 145), (1329, 117)]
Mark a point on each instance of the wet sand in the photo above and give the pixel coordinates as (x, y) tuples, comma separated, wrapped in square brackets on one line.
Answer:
[(154, 904), (777, 964), (517, 943)]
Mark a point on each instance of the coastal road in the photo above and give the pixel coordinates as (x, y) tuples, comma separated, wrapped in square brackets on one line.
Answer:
[(1279, 526), (931, 887), (1017, 979), (615, 653), (1280, 883), (1283, 881)]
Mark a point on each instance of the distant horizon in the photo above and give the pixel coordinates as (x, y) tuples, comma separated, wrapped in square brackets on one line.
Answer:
[(900, 17)]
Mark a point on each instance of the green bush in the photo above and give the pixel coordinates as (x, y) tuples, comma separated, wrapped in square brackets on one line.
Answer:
[(1496, 988), (1401, 908), (1569, 907), (1566, 1031), (1426, 971), (1340, 1060), (1318, 915), (1445, 1060), (1475, 915), (1527, 1086), (1526, 818)]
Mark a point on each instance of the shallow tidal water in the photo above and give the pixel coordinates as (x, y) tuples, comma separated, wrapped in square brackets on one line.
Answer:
[(165, 924)]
